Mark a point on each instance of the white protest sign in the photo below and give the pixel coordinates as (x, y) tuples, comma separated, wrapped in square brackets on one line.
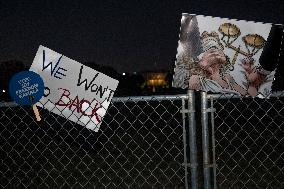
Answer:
[(73, 90)]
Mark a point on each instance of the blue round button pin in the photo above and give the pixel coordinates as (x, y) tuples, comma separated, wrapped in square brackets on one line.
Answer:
[(26, 88)]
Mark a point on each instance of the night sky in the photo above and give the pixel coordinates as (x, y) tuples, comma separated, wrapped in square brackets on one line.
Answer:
[(127, 35)]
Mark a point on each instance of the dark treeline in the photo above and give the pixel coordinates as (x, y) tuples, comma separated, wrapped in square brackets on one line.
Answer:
[(129, 84)]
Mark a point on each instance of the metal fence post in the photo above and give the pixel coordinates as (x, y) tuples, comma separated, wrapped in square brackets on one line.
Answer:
[(213, 141), (184, 145), (192, 139), (205, 140), (190, 111)]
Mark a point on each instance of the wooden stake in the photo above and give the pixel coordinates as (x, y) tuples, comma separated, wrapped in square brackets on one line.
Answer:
[(36, 112)]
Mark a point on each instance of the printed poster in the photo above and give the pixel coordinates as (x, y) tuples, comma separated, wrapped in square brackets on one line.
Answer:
[(225, 56)]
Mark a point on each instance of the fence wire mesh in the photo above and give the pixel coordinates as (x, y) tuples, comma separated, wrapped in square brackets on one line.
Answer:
[(249, 141), (139, 145)]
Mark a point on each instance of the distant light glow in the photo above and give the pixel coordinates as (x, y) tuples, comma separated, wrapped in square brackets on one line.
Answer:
[(123, 73), (3, 91)]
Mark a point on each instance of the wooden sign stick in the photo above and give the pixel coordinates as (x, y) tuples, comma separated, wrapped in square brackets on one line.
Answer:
[(35, 109), (36, 112)]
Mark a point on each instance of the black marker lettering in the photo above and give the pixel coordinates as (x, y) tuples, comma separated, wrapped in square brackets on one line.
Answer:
[(59, 73), (101, 91), (79, 83), (110, 94), (49, 64)]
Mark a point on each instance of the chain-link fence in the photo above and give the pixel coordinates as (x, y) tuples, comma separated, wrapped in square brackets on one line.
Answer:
[(148, 142), (248, 141), (139, 145)]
